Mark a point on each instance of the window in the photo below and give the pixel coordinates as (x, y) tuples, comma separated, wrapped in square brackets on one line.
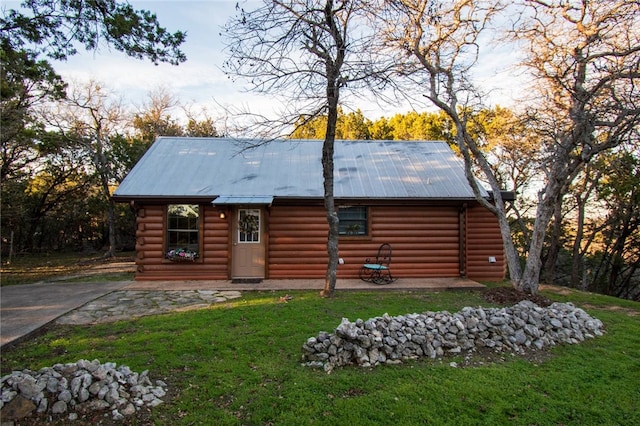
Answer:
[(248, 226), (353, 221), (183, 228)]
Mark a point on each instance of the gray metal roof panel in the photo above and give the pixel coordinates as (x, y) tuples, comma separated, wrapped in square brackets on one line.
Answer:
[(179, 167), (247, 199)]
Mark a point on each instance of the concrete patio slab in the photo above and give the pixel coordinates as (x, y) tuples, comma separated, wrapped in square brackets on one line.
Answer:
[(402, 284)]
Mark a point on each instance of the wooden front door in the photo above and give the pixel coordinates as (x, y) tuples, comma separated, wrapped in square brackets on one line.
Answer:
[(248, 254)]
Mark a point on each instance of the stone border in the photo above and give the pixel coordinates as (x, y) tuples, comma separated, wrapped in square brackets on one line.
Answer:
[(390, 340), (80, 387)]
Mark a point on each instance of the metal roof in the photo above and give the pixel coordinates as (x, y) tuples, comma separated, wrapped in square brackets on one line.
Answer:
[(212, 167), (250, 199)]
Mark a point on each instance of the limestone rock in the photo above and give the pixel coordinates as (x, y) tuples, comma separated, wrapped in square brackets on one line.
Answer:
[(80, 387), (18, 408), (389, 340)]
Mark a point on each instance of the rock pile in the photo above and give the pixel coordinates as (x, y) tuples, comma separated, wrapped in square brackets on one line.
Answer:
[(79, 387), (389, 340)]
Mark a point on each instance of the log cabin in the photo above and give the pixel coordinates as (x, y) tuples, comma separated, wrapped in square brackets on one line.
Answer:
[(219, 208)]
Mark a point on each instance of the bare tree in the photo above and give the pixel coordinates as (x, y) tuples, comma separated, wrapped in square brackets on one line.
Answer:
[(154, 118), (89, 119), (441, 40), (306, 53), (584, 57), (512, 148)]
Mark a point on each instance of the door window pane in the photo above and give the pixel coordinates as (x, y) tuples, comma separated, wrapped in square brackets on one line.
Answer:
[(248, 226)]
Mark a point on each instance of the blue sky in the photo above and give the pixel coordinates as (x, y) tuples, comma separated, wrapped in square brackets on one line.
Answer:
[(200, 81)]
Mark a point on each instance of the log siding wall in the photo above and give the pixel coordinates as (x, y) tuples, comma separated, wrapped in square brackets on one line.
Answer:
[(426, 242), (150, 246), (483, 241)]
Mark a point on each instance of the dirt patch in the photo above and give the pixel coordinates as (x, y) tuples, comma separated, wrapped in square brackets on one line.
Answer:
[(564, 291), (508, 296), (101, 266), (113, 264)]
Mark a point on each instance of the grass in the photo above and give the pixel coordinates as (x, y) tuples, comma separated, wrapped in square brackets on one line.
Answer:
[(238, 363)]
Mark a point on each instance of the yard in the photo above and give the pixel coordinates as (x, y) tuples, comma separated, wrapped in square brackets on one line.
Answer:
[(238, 363)]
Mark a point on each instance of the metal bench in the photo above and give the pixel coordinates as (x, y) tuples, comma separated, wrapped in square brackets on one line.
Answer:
[(378, 271)]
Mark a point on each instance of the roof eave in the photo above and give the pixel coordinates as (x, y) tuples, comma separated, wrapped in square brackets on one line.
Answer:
[(163, 199)]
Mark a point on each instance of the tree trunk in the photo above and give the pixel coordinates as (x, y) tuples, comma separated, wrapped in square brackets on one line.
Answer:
[(329, 203), (577, 263), (468, 147), (554, 246), (103, 173), (111, 219), (511, 254), (531, 275), (562, 172), (332, 68), (617, 255)]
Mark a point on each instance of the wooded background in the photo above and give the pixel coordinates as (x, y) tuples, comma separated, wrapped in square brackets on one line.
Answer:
[(67, 145)]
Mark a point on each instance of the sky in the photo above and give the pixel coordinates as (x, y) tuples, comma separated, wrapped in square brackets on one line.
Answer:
[(200, 80)]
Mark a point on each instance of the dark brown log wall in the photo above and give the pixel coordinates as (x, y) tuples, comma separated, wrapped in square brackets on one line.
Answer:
[(484, 241), (425, 242), (150, 261), (297, 242)]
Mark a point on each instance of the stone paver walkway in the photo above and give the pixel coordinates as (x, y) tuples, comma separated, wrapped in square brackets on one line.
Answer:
[(140, 298), (127, 304)]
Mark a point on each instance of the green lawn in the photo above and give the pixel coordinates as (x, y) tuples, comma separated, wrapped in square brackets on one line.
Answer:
[(238, 363)]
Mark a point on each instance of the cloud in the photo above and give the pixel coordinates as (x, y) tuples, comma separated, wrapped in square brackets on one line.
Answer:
[(197, 80), (201, 81)]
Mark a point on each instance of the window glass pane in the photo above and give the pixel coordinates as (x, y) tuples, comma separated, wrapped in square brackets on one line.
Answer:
[(353, 221), (248, 226), (183, 227)]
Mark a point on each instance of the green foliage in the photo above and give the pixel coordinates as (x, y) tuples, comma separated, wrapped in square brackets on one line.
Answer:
[(239, 363), (44, 176), (24, 82), (355, 126), (149, 126), (435, 126), (124, 154), (202, 128), (310, 128), (381, 129), (619, 190), (621, 178), (599, 246), (53, 27)]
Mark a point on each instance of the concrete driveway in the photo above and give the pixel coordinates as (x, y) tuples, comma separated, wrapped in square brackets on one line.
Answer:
[(26, 308)]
